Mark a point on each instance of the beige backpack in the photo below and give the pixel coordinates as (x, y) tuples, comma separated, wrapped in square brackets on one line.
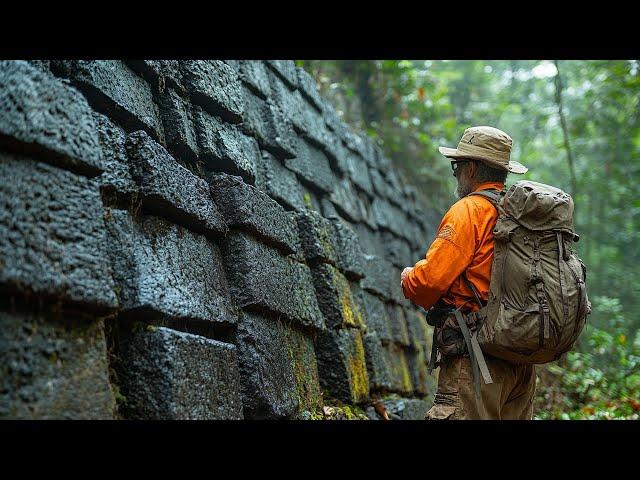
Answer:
[(538, 300)]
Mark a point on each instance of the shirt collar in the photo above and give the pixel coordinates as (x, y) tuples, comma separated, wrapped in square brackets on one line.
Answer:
[(488, 185)]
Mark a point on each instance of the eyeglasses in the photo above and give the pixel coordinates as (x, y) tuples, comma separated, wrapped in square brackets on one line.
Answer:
[(454, 164)]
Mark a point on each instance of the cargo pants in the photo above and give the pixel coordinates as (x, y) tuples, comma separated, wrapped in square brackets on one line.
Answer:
[(509, 397)]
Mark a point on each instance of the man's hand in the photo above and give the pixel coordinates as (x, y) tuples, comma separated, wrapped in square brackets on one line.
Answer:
[(404, 273)]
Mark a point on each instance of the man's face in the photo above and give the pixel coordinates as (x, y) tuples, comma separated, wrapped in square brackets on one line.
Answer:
[(465, 185)]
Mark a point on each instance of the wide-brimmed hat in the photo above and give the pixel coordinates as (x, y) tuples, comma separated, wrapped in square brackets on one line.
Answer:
[(488, 145)]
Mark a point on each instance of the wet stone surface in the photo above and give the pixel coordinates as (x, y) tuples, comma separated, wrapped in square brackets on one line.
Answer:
[(286, 70), (39, 112), (264, 280), (335, 298), (247, 208), (265, 121), (170, 190), (312, 166), (278, 368), (176, 116), (161, 268), (342, 365), (224, 148), (377, 317), (52, 239), (116, 178), (215, 86), (398, 324), (112, 88), (279, 183), (378, 367), (171, 375), (53, 368), (350, 258), (160, 74), (316, 236)]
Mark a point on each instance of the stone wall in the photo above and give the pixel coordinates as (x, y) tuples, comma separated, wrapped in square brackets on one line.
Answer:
[(199, 240)]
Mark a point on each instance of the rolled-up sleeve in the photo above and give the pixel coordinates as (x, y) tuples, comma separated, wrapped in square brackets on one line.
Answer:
[(448, 256)]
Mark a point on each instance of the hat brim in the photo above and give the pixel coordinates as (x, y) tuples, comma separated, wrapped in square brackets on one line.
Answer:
[(513, 167)]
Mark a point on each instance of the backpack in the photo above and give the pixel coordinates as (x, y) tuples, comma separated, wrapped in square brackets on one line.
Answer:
[(538, 302)]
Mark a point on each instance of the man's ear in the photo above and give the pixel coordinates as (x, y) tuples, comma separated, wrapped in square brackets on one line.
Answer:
[(473, 168)]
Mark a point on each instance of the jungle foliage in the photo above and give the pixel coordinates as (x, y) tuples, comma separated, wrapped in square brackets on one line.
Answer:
[(576, 125)]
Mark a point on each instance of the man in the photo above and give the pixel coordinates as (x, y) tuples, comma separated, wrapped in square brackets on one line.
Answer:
[(460, 257)]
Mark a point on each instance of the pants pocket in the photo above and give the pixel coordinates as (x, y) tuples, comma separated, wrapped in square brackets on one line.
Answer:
[(441, 412)]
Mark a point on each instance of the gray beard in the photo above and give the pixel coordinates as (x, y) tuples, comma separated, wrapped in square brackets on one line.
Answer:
[(463, 190)]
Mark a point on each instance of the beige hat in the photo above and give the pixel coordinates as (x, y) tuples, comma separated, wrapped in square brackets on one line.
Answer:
[(487, 144)]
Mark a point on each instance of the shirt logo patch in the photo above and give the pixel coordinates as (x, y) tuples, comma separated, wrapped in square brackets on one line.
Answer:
[(446, 232)]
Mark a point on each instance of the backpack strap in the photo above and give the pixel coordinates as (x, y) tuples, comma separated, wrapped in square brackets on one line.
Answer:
[(492, 194), (478, 363)]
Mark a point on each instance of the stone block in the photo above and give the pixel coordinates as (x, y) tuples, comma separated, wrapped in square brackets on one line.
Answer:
[(342, 365), (379, 184), (53, 368), (379, 273), (179, 130), (286, 70), (407, 408), (112, 88), (333, 121), (280, 183), (171, 375), (266, 122), (350, 258), (420, 333), (247, 208), (346, 200), (316, 237), (161, 268), (253, 73), (52, 240), (400, 373), (278, 369), (370, 240), (40, 114), (116, 180), (359, 172), (169, 190), (378, 368), (417, 359), (315, 129), (377, 317), (397, 250), (398, 324), (312, 166), (308, 89), (336, 301), (160, 74), (354, 142), (265, 281), (391, 218), (224, 148), (215, 86), (290, 103)]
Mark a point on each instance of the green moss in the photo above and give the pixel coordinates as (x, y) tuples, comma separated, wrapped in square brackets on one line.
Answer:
[(304, 368), (351, 314), (307, 200), (406, 375), (357, 371)]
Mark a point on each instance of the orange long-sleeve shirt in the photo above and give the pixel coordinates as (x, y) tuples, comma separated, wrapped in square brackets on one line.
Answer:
[(463, 244)]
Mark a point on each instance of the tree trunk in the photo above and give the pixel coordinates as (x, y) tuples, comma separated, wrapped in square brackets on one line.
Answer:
[(565, 131)]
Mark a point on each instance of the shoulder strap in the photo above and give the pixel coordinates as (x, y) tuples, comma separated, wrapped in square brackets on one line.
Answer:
[(491, 194)]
